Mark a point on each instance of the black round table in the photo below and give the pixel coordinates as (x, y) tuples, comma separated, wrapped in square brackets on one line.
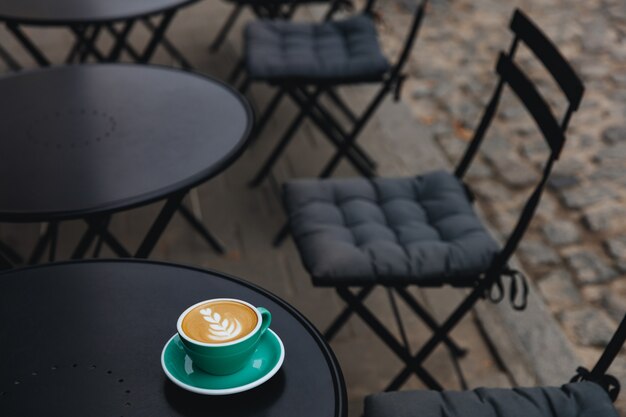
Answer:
[(84, 339), (88, 20), (91, 140)]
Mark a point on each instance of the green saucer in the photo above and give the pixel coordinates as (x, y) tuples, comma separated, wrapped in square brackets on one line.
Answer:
[(262, 365)]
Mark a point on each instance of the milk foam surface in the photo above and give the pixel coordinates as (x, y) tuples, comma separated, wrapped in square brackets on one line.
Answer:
[(219, 322)]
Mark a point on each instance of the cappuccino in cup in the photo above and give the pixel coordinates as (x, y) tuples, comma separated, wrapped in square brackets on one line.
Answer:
[(220, 321)]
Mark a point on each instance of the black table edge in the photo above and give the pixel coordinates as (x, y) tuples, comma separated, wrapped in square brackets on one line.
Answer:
[(145, 199), (341, 402), (71, 22)]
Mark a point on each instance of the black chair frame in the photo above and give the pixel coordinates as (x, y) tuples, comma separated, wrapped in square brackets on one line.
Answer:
[(307, 96), (490, 283)]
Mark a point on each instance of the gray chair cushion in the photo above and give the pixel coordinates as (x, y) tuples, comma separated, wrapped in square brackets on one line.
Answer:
[(583, 399), (419, 230), (334, 51), (276, 2)]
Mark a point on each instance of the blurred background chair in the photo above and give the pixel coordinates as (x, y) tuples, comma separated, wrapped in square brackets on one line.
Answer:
[(589, 394), (422, 231), (310, 61)]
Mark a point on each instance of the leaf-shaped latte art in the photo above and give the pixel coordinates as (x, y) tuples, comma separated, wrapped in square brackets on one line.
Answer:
[(219, 329)]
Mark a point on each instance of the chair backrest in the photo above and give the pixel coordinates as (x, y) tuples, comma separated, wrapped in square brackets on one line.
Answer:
[(411, 36), (552, 130)]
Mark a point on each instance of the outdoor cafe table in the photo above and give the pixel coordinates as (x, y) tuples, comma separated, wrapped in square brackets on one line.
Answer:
[(84, 338), (88, 141), (88, 20)]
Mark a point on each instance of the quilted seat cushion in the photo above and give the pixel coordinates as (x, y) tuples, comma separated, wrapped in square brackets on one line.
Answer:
[(337, 51), (276, 2), (583, 399), (419, 230)]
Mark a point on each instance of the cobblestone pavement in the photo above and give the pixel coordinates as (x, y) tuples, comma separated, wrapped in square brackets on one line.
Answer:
[(575, 251)]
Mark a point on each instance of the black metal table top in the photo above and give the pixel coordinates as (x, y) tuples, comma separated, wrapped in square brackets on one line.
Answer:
[(65, 12), (85, 338), (90, 139)]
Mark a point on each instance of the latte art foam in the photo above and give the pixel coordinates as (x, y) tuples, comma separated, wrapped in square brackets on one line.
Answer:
[(219, 322), (220, 330)]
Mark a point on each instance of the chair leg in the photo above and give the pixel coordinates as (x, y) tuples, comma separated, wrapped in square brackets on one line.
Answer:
[(345, 315), (396, 313), (439, 335), (384, 334), (349, 140), (457, 351), (284, 141), (337, 136), (223, 32)]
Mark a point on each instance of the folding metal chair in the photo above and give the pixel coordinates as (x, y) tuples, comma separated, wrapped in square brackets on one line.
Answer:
[(422, 231), (309, 61), (589, 394), (270, 9)]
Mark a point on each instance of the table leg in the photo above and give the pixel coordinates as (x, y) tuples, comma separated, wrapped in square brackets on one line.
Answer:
[(10, 254), (89, 47), (169, 47), (101, 228), (121, 39), (28, 45), (9, 60), (100, 241), (54, 238), (5, 263), (228, 25), (201, 229), (160, 223), (87, 42), (98, 228), (44, 241), (157, 36), (83, 245), (125, 45)]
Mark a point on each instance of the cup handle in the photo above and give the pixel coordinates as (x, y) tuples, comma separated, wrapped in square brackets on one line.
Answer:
[(266, 319)]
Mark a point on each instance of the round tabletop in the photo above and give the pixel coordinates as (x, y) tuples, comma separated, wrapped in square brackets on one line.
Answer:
[(85, 338), (65, 12), (91, 139)]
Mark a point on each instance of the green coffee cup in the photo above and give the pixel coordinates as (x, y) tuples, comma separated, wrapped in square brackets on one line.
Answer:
[(220, 335)]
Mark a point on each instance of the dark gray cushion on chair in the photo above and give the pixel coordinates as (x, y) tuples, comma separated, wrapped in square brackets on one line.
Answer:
[(337, 51), (276, 2), (419, 230), (583, 399)]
